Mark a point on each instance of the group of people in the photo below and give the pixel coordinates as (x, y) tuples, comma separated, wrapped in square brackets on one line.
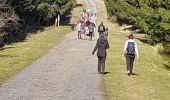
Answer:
[(130, 52), (86, 28)]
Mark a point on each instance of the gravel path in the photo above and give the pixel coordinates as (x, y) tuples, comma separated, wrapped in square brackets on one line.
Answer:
[(67, 72)]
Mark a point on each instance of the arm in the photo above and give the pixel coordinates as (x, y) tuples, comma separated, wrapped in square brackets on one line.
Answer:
[(107, 46), (125, 46), (104, 28), (96, 47), (136, 50), (98, 28)]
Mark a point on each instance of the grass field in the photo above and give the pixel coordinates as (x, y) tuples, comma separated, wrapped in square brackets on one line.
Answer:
[(152, 81), (15, 57)]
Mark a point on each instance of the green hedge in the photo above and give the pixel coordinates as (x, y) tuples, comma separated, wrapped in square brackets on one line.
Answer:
[(21, 17), (42, 11), (151, 16)]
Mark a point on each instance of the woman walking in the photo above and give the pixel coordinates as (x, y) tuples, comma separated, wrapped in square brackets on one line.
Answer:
[(130, 52), (101, 45)]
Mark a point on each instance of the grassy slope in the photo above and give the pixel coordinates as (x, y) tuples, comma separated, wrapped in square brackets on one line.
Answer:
[(152, 81), (17, 56)]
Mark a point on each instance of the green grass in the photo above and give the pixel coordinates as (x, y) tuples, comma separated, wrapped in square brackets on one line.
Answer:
[(17, 56), (152, 81)]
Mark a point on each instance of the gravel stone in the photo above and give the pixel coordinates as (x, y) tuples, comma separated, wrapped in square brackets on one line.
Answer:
[(67, 72)]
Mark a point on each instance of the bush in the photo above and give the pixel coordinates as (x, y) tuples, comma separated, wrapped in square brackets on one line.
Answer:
[(152, 17)]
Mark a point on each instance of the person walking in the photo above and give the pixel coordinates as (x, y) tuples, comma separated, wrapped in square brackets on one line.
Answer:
[(79, 30), (101, 45), (94, 28), (101, 28), (130, 52), (91, 30)]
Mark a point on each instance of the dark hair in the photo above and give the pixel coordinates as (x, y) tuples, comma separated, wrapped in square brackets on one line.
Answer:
[(131, 36)]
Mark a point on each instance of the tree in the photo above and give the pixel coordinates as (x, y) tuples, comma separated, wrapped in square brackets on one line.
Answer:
[(43, 10), (9, 25), (150, 16)]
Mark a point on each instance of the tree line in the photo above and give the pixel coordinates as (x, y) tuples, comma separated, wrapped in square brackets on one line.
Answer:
[(152, 17), (18, 16)]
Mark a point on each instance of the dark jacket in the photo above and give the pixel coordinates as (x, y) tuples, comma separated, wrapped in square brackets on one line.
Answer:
[(101, 45), (103, 28)]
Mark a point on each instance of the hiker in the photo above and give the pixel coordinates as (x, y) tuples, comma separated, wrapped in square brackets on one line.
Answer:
[(94, 28), (79, 30), (101, 28), (101, 45), (83, 29), (130, 52), (91, 30)]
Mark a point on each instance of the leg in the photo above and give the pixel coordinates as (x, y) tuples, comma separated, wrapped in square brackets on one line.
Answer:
[(78, 34), (99, 65), (91, 35), (131, 65), (128, 64), (103, 64)]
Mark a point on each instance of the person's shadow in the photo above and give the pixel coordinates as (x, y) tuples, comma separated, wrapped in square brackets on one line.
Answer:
[(135, 74), (105, 73)]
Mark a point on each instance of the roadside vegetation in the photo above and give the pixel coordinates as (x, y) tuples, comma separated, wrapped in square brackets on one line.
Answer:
[(152, 80), (29, 33), (151, 17), (18, 18)]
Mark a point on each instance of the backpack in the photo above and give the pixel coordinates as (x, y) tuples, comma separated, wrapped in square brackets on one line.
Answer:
[(101, 28), (131, 48)]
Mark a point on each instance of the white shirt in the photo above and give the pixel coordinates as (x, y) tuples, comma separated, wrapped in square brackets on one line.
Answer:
[(136, 48), (79, 27)]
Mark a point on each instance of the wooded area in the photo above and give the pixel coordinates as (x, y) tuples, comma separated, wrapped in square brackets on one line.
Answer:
[(152, 17), (19, 17)]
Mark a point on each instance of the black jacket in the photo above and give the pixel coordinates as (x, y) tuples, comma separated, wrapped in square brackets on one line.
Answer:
[(101, 45)]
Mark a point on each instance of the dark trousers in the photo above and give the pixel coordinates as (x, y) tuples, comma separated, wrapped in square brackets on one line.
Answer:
[(101, 64), (90, 35), (79, 34), (129, 62)]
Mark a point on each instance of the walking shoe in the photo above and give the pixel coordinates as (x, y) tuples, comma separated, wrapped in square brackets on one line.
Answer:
[(128, 74)]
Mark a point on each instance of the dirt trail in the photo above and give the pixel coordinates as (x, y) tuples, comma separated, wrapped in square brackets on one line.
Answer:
[(67, 72)]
